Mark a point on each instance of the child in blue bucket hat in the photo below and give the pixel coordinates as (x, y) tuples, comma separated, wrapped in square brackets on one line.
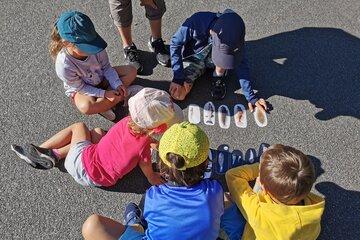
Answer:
[(82, 63)]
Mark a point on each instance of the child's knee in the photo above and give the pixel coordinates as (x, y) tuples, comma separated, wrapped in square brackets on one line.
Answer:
[(90, 225), (132, 73), (84, 107), (79, 125), (97, 134), (99, 131)]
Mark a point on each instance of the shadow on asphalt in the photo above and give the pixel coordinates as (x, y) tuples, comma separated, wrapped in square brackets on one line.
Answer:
[(342, 211), (320, 65), (133, 182), (149, 60)]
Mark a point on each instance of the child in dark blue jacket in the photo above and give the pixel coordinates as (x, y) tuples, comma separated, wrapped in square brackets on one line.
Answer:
[(208, 40)]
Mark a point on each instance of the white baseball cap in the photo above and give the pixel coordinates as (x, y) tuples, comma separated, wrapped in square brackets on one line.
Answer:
[(151, 107)]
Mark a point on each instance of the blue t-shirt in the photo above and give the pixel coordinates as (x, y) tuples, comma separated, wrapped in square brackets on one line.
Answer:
[(183, 213)]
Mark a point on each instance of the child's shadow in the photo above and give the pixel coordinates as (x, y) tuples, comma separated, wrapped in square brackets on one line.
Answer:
[(133, 182), (342, 211), (149, 61)]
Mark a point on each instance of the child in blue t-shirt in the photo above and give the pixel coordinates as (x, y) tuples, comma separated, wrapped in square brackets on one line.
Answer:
[(186, 207)]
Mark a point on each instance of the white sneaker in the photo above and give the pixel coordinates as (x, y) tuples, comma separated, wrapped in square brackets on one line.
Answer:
[(109, 115)]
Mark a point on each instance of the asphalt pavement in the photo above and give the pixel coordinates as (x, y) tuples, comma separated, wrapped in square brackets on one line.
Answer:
[(304, 59)]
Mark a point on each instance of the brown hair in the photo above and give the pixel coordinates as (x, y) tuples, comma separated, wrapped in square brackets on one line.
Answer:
[(56, 43), (286, 173), (135, 129), (188, 177)]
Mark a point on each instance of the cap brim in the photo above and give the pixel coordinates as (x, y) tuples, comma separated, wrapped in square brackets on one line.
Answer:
[(178, 116), (226, 61), (93, 47)]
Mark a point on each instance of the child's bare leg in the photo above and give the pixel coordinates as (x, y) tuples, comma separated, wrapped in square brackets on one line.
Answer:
[(66, 137), (97, 134), (97, 227), (155, 26), (62, 152), (127, 73), (90, 105)]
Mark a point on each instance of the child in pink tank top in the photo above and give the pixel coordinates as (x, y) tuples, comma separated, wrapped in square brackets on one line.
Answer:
[(96, 158)]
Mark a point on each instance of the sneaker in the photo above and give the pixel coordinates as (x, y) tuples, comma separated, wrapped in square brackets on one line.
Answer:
[(109, 115), (131, 54), (218, 88), (133, 215), (36, 157), (162, 53)]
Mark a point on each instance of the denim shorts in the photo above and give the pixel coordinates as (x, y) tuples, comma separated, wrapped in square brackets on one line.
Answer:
[(131, 234), (74, 166)]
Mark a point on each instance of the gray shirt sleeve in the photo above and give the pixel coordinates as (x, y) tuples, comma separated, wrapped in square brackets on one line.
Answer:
[(72, 81)]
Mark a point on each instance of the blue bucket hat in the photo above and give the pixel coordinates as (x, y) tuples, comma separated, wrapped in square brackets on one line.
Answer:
[(77, 28), (228, 40)]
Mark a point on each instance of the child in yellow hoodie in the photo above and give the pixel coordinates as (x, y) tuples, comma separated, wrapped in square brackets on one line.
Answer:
[(284, 208)]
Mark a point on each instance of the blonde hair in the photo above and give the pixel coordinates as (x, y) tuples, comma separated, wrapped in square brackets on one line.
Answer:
[(136, 130), (56, 43)]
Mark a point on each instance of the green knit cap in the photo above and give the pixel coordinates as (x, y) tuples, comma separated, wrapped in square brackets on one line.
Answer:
[(187, 140)]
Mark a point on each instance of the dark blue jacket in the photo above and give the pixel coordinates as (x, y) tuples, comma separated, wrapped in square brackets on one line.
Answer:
[(192, 37)]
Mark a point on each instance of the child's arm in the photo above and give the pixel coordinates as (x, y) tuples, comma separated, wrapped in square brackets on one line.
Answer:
[(69, 76), (109, 72), (153, 177), (242, 194), (243, 74), (177, 43), (146, 166)]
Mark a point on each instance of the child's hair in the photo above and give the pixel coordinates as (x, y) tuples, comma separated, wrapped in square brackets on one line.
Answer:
[(135, 129), (188, 177), (56, 43), (286, 173)]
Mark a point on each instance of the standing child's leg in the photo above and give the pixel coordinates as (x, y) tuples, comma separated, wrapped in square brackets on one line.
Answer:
[(154, 13)]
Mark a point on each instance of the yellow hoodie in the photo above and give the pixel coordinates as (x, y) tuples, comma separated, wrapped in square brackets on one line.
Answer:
[(268, 220)]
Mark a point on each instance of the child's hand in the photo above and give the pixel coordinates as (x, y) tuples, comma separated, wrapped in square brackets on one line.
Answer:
[(227, 197), (154, 145), (261, 104), (177, 91), (155, 179), (113, 96), (122, 90), (187, 87)]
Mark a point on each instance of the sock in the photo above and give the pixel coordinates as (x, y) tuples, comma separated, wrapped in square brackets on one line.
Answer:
[(153, 39), (215, 74), (56, 152), (132, 45)]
